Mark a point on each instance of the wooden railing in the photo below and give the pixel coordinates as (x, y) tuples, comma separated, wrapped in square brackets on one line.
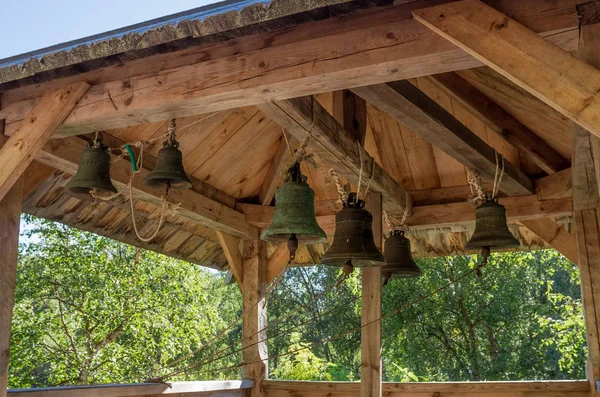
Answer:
[(233, 388), (275, 388)]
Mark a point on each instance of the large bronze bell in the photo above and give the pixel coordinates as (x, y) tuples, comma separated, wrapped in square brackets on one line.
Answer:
[(491, 229), (353, 241), (398, 258), (93, 173), (294, 218), (168, 172)]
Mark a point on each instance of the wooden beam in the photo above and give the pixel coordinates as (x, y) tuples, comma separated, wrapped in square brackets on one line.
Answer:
[(369, 47), (64, 155), (413, 108), (254, 308), (351, 112), (273, 177), (282, 388), (555, 236), (231, 249), (10, 216), (370, 335), (551, 74), (277, 261), (554, 186), (34, 131), (500, 122), (228, 388), (334, 146)]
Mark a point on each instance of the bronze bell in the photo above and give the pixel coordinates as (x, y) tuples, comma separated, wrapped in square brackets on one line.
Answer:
[(491, 229), (353, 240), (398, 258), (93, 173), (294, 218), (168, 172)]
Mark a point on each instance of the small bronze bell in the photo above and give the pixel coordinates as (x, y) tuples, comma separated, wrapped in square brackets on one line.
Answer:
[(294, 218), (398, 258), (93, 173), (168, 172), (353, 241), (491, 229)]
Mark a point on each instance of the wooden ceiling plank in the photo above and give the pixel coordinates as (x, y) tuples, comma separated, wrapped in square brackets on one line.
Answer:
[(64, 155), (501, 122), (424, 116), (34, 131), (302, 116), (370, 47), (231, 249), (548, 72)]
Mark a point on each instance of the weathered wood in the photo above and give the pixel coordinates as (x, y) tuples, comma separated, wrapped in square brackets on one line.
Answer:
[(302, 116), (553, 75), (64, 155), (500, 122), (369, 47), (351, 112), (33, 132), (370, 335), (10, 215), (413, 108), (555, 186), (231, 249), (254, 309), (277, 261), (555, 235), (273, 177), (228, 388)]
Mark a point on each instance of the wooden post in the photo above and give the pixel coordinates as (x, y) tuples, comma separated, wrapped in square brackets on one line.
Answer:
[(254, 308), (586, 201), (370, 337), (10, 213)]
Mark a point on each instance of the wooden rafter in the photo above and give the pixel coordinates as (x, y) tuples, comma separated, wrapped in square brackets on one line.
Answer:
[(407, 104), (231, 249), (64, 155), (370, 47), (555, 236), (34, 131), (273, 177), (500, 122), (555, 186), (305, 116), (546, 71)]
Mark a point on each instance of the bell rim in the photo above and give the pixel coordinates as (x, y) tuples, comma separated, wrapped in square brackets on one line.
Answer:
[(302, 238), (182, 184), (356, 262)]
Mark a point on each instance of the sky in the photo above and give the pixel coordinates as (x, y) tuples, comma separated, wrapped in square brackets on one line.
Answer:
[(29, 25)]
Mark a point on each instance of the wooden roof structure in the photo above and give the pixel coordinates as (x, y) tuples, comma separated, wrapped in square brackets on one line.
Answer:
[(410, 93)]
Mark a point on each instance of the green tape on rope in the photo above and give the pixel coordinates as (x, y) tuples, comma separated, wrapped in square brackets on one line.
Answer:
[(132, 157)]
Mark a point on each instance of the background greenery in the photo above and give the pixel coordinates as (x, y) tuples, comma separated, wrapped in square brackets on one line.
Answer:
[(92, 310)]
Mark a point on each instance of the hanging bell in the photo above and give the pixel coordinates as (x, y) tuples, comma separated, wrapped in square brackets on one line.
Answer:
[(491, 229), (353, 241), (168, 172), (93, 173), (398, 258), (294, 219)]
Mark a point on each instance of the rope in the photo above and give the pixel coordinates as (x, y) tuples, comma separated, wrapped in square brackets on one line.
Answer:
[(497, 178), (340, 335), (372, 174), (341, 189), (287, 142), (361, 170), (476, 187)]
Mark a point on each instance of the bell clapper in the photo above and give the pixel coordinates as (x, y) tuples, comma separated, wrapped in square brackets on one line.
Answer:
[(292, 245), (348, 268), (387, 276)]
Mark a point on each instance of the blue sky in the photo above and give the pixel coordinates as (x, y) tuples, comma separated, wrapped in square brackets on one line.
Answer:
[(29, 25)]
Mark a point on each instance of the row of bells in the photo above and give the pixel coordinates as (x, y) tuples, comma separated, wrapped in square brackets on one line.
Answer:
[(93, 173), (353, 242)]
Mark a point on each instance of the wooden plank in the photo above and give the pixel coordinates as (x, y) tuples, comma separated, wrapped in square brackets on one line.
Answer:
[(10, 215), (555, 235), (64, 155), (302, 116), (501, 122), (33, 132), (191, 389), (278, 164), (424, 116), (370, 335), (370, 47), (351, 112), (231, 249), (553, 75), (254, 308), (279, 388), (555, 186), (277, 261)]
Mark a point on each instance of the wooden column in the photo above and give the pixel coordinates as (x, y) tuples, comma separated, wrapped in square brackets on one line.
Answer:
[(255, 314), (10, 213), (586, 201), (370, 337)]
